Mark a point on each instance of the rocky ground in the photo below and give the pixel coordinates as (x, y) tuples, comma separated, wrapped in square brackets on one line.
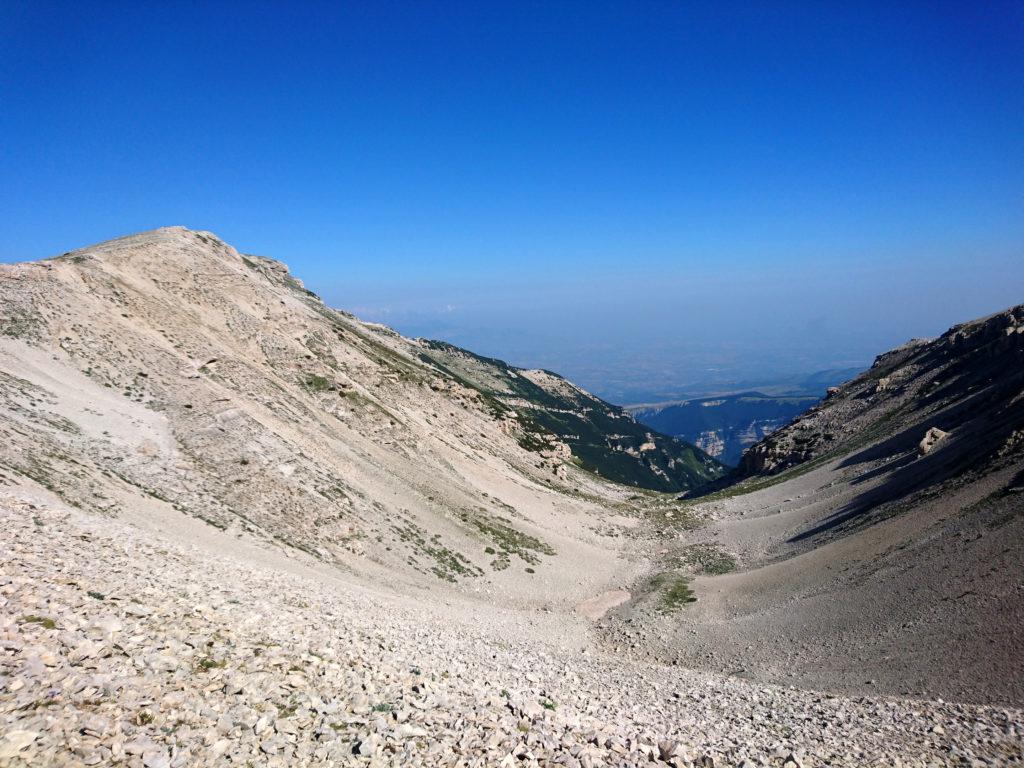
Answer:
[(121, 647)]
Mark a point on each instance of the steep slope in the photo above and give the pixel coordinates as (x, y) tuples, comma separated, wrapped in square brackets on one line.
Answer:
[(724, 426), (967, 383), (166, 369), (559, 418)]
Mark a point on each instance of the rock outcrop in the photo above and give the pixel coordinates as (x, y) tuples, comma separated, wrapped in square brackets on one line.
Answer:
[(971, 375), (931, 438)]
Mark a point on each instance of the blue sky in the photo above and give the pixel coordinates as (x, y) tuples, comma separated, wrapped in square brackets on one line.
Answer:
[(671, 191)]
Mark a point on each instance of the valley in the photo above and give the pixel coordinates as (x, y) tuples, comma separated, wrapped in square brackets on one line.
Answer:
[(244, 528)]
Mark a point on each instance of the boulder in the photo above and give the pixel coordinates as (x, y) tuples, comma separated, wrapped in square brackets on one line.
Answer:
[(931, 438)]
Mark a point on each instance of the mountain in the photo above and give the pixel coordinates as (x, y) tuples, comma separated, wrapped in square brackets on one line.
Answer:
[(243, 528), (258, 407), (553, 414), (723, 426), (964, 386), (641, 391), (878, 535)]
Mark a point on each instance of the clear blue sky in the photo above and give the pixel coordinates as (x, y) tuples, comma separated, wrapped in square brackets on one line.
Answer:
[(593, 187)]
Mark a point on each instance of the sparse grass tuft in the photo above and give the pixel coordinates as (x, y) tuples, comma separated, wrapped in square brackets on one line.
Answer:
[(507, 539), (674, 592), (668, 520), (45, 621), (707, 559), (315, 383)]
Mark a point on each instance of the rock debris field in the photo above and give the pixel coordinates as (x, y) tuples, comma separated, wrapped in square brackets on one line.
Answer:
[(122, 647)]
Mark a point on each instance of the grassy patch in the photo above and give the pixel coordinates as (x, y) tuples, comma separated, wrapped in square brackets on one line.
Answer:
[(668, 520), (673, 592), (707, 559), (448, 564), (44, 621), (507, 540), (315, 383)]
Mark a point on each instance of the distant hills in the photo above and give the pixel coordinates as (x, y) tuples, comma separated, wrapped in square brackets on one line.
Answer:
[(726, 423), (724, 426)]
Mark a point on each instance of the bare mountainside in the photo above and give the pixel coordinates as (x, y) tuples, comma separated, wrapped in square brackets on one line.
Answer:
[(966, 384), (241, 528), (879, 537), (234, 395)]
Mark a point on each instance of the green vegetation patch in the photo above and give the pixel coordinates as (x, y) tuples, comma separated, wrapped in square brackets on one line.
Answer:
[(315, 383), (21, 325), (448, 565), (668, 520), (708, 559), (45, 621), (507, 540), (673, 591)]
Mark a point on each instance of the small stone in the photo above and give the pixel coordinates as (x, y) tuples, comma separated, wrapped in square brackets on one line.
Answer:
[(367, 746), (156, 760), (667, 749), (224, 725), (15, 741)]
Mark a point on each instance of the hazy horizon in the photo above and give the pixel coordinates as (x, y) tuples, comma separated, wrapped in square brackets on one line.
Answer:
[(648, 199)]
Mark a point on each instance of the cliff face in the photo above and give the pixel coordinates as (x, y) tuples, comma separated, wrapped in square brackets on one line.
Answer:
[(967, 383)]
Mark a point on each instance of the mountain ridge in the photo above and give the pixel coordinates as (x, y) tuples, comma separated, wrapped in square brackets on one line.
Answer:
[(233, 353)]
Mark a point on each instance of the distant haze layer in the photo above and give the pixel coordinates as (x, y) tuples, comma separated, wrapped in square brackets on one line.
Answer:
[(648, 337)]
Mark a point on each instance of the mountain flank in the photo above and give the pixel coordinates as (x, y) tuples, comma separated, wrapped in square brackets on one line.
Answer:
[(877, 534), (243, 400), (967, 384)]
